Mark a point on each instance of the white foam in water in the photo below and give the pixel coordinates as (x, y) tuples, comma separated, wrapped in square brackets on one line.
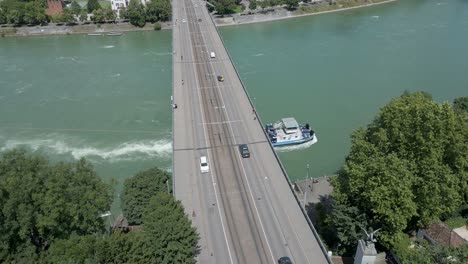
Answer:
[(375, 16), (258, 55), (126, 151), (108, 47), (296, 147)]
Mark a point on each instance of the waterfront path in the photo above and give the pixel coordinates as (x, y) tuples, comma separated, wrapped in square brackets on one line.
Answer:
[(244, 209)]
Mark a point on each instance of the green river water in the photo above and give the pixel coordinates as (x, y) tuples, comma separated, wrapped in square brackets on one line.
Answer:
[(107, 98)]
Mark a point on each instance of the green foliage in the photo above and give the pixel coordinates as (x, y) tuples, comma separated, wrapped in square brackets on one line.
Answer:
[(19, 12), (93, 5), (75, 8), (158, 10), (169, 230), (424, 253), (65, 17), (98, 16), (263, 4), (136, 13), (41, 202), (407, 168), (138, 190), (157, 26), (291, 4), (456, 222), (166, 237), (224, 7), (83, 16), (109, 14), (253, 5), (460, 104)]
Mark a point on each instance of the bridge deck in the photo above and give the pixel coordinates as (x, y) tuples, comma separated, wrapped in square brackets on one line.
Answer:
[(243, 209)]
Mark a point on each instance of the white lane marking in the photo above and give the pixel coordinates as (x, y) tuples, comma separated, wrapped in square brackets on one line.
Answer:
[(211, 174), (244, 172)]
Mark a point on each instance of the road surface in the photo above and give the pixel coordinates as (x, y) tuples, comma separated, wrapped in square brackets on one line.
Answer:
[(243, 208)]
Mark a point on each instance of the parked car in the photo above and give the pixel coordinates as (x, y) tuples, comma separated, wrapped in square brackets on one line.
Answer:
[(204, 168), (244, 150)]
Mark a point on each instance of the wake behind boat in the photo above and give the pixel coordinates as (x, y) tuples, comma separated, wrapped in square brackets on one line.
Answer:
[(288, 132)]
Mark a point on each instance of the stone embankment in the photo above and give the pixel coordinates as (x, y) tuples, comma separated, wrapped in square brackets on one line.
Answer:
[(279, 13), (269, 14), (53, 29)]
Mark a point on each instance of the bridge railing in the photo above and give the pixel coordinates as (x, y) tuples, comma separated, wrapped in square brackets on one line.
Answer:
[(285, 174)]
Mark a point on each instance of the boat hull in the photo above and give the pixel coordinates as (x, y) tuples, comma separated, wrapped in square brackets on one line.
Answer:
[(295, 142)]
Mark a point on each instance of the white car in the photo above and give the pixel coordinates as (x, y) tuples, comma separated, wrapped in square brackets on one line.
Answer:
[(183, 20), (196, 5), (204, 168)]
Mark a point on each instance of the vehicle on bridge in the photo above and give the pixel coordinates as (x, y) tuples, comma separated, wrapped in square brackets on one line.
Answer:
[(220, 78), (204, 168), (288, 132), (284, 260), (244, 150), (212, 55)]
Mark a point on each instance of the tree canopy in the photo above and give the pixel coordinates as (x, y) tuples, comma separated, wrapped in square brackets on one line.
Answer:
[(407, 168), (166, 237), (92, 5), (22, 12), (136, 13), (41, 202), (138, 190)]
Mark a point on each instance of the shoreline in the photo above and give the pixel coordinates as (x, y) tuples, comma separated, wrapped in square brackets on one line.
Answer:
[(277, 14), (290, 15)]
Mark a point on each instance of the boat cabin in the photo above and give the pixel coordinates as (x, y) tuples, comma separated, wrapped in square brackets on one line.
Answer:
[(290, 125)]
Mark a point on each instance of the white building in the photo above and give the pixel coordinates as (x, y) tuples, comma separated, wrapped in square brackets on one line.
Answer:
[(119, 4)]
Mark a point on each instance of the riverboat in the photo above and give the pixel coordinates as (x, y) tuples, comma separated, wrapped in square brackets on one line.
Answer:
[(114, 34), (95, 34), (288, 132)]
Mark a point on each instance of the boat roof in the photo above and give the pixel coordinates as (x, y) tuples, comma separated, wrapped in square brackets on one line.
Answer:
[(290, 122)]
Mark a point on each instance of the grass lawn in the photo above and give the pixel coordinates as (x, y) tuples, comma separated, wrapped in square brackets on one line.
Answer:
[(105, 3)]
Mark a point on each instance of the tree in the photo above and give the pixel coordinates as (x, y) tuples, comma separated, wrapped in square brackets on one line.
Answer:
[(83, 16), (291, 4), (224, 7), (136, 13), (407, 168), (138, 190), (169, 230), (75, 8), (460, 104), (40, 202), (98, 16), (253, 5), (164, 9), (109, 14), (152, 12), (263, 4), (93, 5)]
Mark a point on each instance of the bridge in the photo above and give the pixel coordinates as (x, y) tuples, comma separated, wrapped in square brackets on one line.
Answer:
[(244, 208)]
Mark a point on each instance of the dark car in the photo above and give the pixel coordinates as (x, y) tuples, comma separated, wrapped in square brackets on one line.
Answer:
[(244, 151), (284, 260), (220, 78)]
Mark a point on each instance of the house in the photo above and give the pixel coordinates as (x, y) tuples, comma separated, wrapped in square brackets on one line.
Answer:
[(119, 4), (54, 7), (441, 233)]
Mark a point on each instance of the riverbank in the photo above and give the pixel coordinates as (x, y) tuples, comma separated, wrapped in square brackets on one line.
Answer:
[(280, 13), (53, 29), (271, 14)]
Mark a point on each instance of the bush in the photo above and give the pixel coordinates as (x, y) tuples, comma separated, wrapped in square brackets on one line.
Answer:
[(157, 26), (456, 222)]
